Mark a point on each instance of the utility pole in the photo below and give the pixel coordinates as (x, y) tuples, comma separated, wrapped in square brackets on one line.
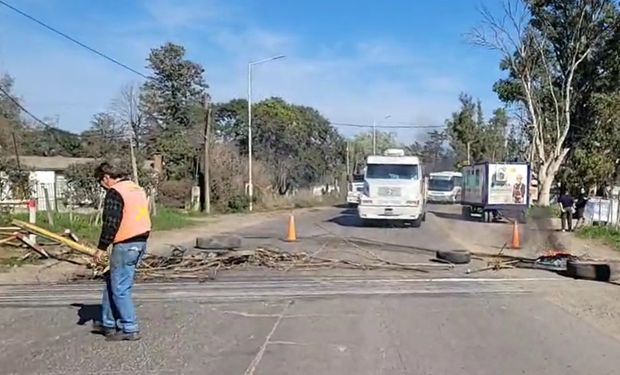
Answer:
[(348, 169), (207, 137), (374, 137), (134, 163), (16, 151)]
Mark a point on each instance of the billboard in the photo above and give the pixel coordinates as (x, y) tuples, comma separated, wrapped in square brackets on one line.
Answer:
[(508, 184)]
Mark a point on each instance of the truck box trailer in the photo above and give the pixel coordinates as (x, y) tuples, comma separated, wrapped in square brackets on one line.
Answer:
[(491, 189)]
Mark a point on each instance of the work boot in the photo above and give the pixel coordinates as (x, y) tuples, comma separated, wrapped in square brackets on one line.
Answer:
[(101, 330), (124, 336)]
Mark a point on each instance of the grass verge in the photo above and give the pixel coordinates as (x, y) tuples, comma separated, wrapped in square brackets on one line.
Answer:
[(83, 225), (608, 235)]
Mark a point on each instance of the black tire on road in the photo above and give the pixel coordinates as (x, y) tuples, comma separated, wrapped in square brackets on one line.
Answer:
[(454, 256), (218, 242), (597, 271), (417, 223)]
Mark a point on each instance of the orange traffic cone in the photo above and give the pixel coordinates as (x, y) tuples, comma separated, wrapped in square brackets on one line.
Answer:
[(292, 233), (516, 243)]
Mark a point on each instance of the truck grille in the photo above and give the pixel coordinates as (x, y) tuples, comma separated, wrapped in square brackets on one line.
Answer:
[(385, 191)]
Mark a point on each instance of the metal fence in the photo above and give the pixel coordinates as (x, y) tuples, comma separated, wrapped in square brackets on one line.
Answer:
[(602, 211)]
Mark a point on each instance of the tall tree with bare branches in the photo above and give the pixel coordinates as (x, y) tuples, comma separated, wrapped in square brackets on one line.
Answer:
[(543, 45)]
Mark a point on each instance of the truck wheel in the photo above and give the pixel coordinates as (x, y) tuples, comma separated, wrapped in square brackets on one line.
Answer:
[(454, 256), (417, 223)]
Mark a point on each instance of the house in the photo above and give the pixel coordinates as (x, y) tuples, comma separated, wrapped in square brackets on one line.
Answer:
[(48, 172)]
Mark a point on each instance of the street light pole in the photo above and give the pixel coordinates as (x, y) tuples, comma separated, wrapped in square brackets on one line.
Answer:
[(250, 183)]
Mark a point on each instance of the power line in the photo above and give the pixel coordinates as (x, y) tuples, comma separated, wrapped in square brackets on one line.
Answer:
[(68, 37), (21, 107), (346, 124)]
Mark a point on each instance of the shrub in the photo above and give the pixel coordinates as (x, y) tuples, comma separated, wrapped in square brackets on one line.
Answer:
[(174, 194)]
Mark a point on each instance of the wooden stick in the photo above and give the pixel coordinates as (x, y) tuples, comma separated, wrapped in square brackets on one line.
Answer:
[(32, 245), (53, 236), (8, 239)]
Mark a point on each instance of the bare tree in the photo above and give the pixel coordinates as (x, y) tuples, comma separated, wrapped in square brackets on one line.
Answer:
[(543, 45), (126, 107)]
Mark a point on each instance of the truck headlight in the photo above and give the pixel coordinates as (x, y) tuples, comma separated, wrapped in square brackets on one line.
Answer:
[(413, 203)]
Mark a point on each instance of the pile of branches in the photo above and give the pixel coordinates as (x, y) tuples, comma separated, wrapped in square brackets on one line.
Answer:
[(204, 266)]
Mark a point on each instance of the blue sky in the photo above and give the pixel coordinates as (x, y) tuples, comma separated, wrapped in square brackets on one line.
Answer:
[(353, 60)]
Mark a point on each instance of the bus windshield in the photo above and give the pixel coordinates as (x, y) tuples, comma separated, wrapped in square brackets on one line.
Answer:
[(436, 184), (392, 171)]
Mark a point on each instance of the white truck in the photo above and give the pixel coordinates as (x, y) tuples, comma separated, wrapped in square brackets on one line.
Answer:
[(445, 187), (394, 189), (356, 186)]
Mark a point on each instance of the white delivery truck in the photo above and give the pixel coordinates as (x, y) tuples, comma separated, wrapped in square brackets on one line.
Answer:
[(356, 186), (394, 189), (445, 187), (491, 190)]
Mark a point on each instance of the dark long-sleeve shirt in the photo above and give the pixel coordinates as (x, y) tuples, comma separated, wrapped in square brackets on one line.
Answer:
[(112, 217)]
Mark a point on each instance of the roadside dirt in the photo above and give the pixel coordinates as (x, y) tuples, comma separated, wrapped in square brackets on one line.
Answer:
[(50, 271)]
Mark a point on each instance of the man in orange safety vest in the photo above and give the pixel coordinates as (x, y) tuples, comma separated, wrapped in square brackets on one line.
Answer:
[(126, 226)]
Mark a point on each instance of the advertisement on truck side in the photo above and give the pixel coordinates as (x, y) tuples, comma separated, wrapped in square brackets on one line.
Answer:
[(507, 184)]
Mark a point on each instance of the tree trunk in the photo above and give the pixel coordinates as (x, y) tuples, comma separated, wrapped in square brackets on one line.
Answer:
[(546, 176), (544, 189)]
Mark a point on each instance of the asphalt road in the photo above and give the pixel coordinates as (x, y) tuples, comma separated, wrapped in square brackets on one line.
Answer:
[(321, 323)]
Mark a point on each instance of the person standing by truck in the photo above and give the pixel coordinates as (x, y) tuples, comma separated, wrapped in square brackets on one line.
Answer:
[(566, 203), (126, 226)]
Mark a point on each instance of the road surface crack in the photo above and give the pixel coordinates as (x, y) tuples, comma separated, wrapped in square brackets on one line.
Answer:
[(259, 356)]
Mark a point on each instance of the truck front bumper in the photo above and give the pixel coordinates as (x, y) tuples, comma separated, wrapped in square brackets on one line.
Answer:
[(389, 212), (442, 198), (353, 198)]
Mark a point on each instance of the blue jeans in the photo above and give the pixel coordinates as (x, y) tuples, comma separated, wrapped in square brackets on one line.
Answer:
[(116, 306)]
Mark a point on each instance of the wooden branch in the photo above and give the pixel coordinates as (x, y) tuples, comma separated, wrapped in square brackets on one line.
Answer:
[(53, 236), (31, 244)]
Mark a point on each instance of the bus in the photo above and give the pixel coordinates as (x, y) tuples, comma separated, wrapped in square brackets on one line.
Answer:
[(445, 187)]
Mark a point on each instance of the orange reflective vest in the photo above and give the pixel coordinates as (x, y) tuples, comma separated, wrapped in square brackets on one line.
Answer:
[(136, 219)]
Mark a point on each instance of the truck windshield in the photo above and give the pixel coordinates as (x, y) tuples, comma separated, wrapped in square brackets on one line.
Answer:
[(392, 171), (436, 184), (358, 178)]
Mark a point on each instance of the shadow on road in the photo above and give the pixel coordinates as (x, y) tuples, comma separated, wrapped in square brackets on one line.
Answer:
[(87, 313), (449, 215)]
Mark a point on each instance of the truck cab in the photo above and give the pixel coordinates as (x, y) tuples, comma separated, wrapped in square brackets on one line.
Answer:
[(356, 186), (394, 189), (445, 187)]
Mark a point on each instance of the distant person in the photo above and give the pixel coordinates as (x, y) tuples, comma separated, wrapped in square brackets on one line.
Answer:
[(126, 226), (566, 203), (580, 207)]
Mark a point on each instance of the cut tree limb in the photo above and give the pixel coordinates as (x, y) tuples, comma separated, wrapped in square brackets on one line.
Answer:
[(53, 236)]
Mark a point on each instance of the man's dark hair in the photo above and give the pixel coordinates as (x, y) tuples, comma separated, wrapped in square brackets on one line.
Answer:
[(106, 168)]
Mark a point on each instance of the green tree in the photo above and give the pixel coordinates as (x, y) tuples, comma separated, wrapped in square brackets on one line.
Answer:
[(361, 146), (171, 101), (298, 143), (544, 45)]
